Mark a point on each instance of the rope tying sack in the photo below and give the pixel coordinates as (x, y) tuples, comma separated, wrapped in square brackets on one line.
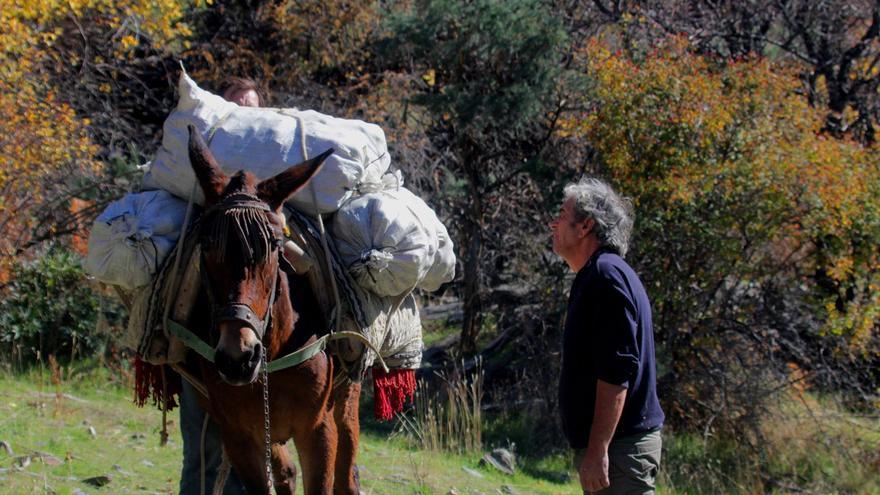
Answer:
[(372, 261), (389, 181)]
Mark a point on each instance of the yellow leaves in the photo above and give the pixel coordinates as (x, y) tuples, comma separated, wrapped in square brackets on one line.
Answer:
[(127, 42), (841, 268), (682, 134), (351, 22), (34, 23), (43, 141), (430, 77)]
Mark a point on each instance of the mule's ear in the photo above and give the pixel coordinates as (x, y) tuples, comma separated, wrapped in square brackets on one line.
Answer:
[(210, 176), (276, 190)]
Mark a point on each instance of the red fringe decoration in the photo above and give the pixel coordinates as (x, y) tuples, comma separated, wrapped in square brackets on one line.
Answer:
[(148, 383), (391, 390)]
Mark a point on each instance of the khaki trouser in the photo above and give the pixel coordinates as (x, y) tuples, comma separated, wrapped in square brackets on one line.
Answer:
[(633, 462)]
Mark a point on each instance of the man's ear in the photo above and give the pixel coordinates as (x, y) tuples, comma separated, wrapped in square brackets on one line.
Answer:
[(587, 226)]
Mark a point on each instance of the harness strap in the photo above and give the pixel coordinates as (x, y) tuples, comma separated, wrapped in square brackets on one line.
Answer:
[(190, 339), (288, 361), (299, 356)]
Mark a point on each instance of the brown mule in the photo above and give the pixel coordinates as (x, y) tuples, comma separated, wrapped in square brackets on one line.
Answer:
[(252, 305)]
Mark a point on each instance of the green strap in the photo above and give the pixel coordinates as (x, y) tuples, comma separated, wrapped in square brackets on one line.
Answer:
[(298, 356), (190, 339), (193, 341)]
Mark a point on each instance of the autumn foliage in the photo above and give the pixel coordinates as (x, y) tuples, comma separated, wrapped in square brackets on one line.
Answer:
[(47, 149), (744, 206)]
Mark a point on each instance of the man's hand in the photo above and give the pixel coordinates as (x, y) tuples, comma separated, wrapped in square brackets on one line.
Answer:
[(593, 471)]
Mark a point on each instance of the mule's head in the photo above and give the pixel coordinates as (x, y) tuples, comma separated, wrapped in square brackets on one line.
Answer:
[(241, 238)]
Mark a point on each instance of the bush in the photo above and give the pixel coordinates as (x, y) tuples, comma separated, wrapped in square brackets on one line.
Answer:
[(807, 444), (49, 308), (752, 227)]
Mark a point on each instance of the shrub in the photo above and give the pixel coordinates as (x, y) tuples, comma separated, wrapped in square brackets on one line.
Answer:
[(49, 308), (751, 225)]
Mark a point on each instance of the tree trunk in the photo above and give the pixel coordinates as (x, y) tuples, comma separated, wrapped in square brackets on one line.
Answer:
[(472, 251)]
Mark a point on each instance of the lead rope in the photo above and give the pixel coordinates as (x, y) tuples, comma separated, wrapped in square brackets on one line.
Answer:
[(323, 232), (163, 435), (175, 281), (269, 481), (202, 449), (264, 364), (337, 310)]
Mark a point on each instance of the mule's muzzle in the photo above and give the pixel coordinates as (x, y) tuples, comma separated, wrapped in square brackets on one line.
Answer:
[(242, 369)]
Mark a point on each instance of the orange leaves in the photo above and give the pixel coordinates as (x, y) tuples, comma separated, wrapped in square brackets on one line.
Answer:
[(80, 240), (40, 138), (737, 147)]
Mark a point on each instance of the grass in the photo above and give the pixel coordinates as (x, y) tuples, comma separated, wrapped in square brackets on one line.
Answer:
[(49, 424), (807, 445), (810, 445)]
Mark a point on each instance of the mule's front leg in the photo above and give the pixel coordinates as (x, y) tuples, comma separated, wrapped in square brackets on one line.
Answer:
[(284, 470), (248, 458), (317, 455)]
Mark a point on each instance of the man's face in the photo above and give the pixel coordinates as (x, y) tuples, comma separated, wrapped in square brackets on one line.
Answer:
[(245, 98), (568, 232)]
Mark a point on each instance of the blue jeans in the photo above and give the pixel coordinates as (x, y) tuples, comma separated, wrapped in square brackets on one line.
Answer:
[(191, 419)]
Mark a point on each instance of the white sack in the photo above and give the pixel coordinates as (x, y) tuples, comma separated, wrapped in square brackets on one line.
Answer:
[(392, 242), (386, 241), (442, 268), (266, 141), (395, 330), (131, 238)]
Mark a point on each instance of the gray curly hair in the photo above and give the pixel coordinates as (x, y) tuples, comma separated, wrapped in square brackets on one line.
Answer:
[(613, 213)]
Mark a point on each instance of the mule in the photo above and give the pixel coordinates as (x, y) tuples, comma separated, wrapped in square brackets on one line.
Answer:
[(258, 311)]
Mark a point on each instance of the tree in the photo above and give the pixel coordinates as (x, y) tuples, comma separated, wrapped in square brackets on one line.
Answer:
[(490, 72), (82, 85), (835, 42), (840, 41), (741, 204)]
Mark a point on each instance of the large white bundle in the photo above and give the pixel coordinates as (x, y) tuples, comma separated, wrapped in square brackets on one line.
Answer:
[(391, 242), (395, 330), (265, 141), (442, 268), (131, 238)]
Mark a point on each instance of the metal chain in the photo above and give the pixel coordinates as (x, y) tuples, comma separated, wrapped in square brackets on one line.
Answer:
[(265, 372)]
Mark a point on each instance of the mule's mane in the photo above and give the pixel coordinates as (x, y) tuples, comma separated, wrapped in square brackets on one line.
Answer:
[(248, 226)]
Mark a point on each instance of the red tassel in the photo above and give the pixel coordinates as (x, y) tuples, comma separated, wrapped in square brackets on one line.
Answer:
[(148, 383), (391, 390)]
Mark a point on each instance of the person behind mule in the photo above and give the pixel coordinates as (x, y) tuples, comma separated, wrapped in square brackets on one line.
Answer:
[(243, 92), (607, 389)]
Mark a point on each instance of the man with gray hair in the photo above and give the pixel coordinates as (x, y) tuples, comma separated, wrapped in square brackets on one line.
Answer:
[(607, 388)]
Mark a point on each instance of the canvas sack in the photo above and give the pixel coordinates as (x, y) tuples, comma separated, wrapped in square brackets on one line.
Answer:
[(391, 243), (266, 141), (132, 237), (442, 267)]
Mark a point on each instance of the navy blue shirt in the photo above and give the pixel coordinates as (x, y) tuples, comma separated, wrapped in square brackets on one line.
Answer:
[(608, 336)]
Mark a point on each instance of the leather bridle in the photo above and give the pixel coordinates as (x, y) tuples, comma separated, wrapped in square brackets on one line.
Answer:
[(237, 311)]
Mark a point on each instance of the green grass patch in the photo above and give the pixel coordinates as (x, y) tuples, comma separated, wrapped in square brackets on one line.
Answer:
[(806, 444), (53, 432), (809, 444)]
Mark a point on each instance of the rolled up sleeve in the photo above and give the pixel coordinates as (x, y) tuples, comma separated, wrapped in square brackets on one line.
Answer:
[(616, 350)]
